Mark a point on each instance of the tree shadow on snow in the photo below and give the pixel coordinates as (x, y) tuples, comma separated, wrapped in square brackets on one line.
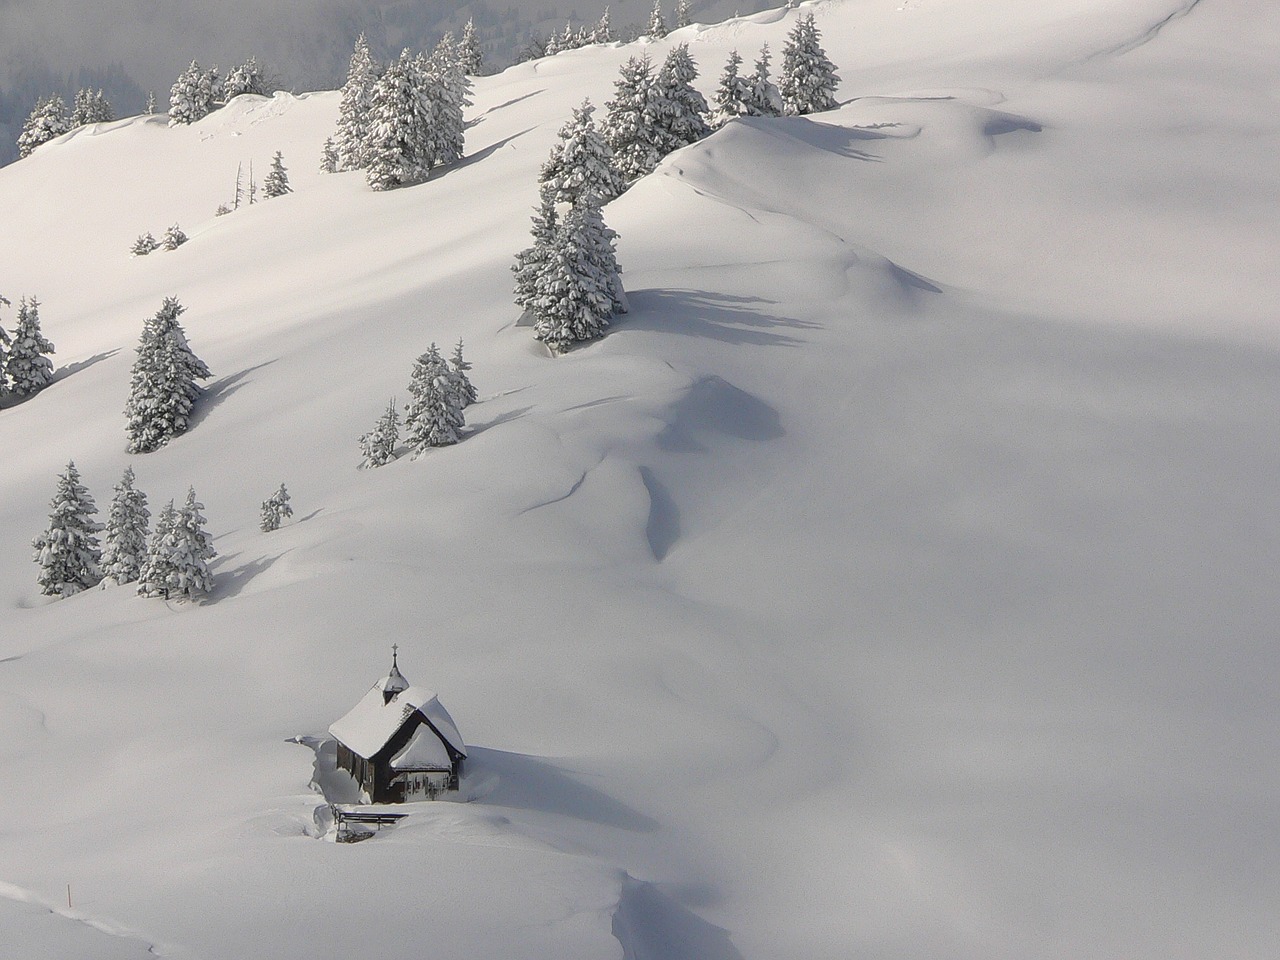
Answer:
[(231, 583), (474, 429), (484, 153), (716, 316), (59, 374), (652, 926), (522, 782), (218, 392)]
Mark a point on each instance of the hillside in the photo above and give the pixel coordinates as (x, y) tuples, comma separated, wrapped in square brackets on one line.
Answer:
[(893, 581)]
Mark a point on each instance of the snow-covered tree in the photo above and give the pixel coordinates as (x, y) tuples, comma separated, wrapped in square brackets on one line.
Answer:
[(163, 388), (531, 261), (448, 91), (277, 182), (191, 97), (329, 157), (730, 99), (581, 162), (680, 108), (433, 416), (246, 78), (27, 368), (173, 238), (470, 54), (580, 285), (657, 28), (551, 46), (91, 107), (401, 146), (68, 552), (354, 111), (275, 510), (144, 245), (630, 125), (764, 99), (125, 549), (459, 367), (809, 79), (48, 120), (150, 108), (682, 14), (603, 31), (178, 556), (378, 446), (5, 342)]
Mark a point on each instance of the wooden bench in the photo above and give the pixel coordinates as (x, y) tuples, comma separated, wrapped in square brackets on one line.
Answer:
[(344, 819)]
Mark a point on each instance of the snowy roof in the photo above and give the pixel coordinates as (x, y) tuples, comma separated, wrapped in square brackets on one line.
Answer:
[(424, 751), (375, 719)]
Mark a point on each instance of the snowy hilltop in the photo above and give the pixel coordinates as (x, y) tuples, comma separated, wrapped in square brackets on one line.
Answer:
[(847, 532)]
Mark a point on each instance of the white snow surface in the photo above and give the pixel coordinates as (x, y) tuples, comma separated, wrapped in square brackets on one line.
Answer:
[(896, 580), (424, 751)]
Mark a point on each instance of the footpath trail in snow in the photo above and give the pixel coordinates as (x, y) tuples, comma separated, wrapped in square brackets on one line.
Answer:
[(893, 580)]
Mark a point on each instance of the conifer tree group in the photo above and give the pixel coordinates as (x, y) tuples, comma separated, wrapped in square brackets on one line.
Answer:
[(399, 122), (177, 562), (48, 120), (808, 77), (163, 388), (25, 367), (91, 107), (197, 93), (439, 391)]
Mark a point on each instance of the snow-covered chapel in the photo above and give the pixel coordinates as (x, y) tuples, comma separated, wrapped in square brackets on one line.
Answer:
[(399, 743)]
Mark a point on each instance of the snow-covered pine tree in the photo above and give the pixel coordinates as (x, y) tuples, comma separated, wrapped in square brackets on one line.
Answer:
[(657, 28), (191, 96), (401, 147), (433, 416), (275, 510), (763, 100), (163, 388), (48, 120), (125, 549), (680, 108), (101, 109), (190, 550), (581, 162), (151, 103), (329, 157), (277, 182), (730, 99), (153, 574), (144, 245), (577, 292), (82, 107), (213, 88), (569, 39), (246, 78), (27, 368), (448, 91), (552, 45), (353, 113), (630, 125), (603, 32), (531, 260), (808, 78), (68, 551), (459, 366), (469, 52), (173, 238), (682, 14), (378, 446), (4, 353)]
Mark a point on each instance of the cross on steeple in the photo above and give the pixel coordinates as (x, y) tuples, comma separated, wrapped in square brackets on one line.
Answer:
[(394, 648)]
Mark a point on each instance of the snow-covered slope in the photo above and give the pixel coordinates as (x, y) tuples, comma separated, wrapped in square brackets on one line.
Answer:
[(893, 581)]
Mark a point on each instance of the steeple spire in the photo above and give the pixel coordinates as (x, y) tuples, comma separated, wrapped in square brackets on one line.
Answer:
[(395, 682)]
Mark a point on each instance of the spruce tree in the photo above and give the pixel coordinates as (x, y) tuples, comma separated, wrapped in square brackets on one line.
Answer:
[(731, 95), (125, 549), (580, 285), (470, 54), (144, 245), (151, 103), (68, 551), (682, 14), (764, 99), (680, 108), (401, 145), (173, 238), (603, 32), (153, 575), (447, 89), (163, 389), (191, 97), (378, 446), (48, 120), (433, 416), (277, 182), (329, 157), (531, 261), (630, 124), (808, 78), (581, 162), (178, 556), (354, 111), (275, 510), (246, 78), (27, 368), (657, 28), (459, 366), (5, 343)]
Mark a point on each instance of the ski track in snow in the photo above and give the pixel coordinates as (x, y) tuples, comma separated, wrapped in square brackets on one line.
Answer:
[(17, 894)]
